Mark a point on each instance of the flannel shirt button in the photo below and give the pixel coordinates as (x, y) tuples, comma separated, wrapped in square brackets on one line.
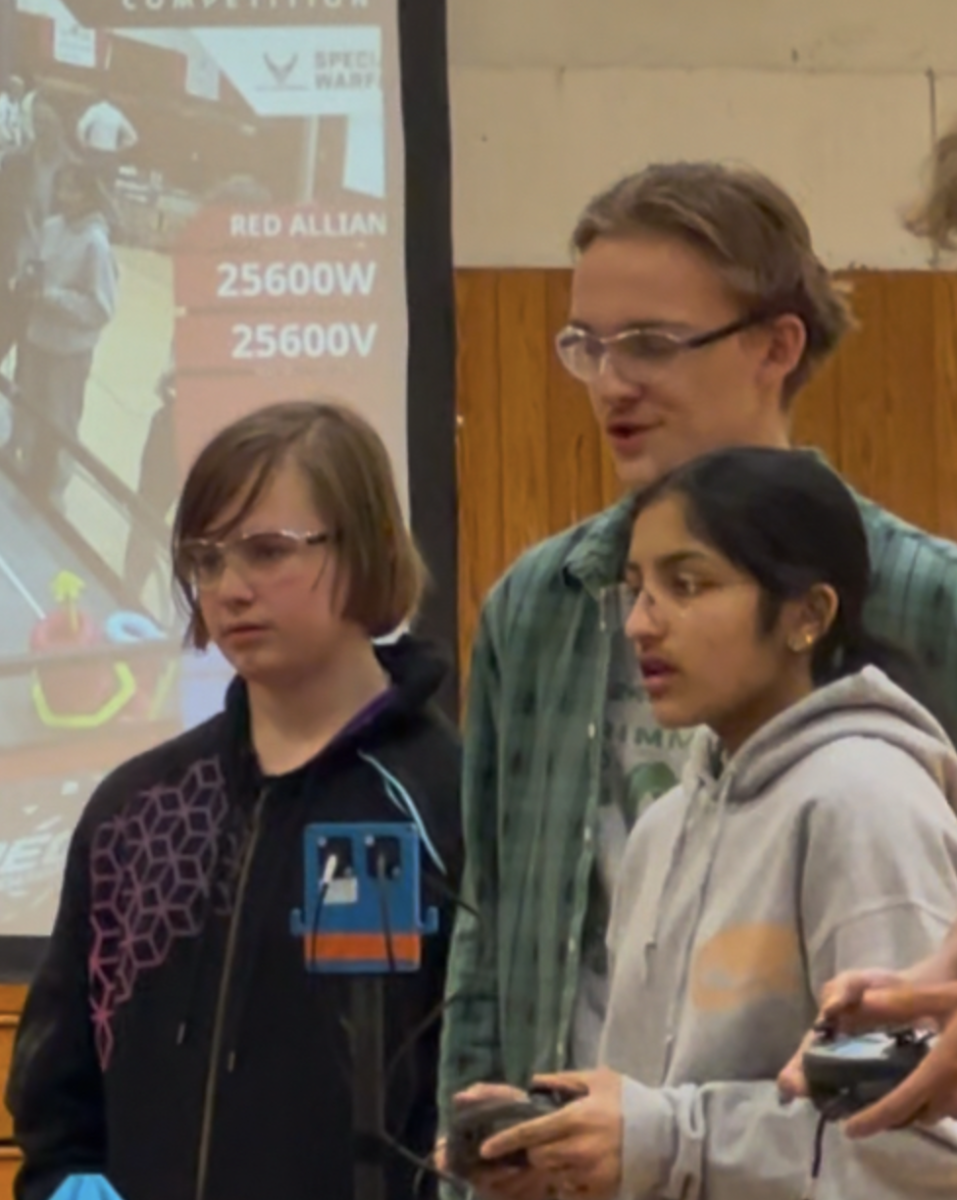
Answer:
[(588, 837), (571, 945), (591, 732)]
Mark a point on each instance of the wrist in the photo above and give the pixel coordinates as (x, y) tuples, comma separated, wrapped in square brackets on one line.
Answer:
[(647, 1150), (935, 969)]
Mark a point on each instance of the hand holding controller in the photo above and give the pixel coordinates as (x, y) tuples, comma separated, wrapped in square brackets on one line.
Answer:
[(475, 1121), (846, 1074)]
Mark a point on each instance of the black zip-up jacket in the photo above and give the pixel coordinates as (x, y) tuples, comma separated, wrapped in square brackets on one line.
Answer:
[(173, 1039)]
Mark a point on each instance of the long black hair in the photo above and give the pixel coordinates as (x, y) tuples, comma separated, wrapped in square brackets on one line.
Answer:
[(787, 520)]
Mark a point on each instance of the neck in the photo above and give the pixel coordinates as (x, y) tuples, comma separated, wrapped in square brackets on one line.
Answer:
[(762, 709), (293, 720), (775, 430)]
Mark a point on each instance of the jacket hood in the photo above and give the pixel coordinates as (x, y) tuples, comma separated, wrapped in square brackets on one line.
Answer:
[(864, 705)]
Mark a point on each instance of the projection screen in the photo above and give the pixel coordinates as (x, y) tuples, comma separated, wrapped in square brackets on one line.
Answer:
[(250, 242)]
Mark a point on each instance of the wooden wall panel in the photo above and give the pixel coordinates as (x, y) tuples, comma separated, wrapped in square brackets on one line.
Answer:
[(531, 462), (945, 402)]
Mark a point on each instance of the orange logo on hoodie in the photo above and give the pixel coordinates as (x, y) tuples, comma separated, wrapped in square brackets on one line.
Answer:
[(744, 964)]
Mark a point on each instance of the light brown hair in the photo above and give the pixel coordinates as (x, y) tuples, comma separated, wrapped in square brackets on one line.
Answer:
[(350, 476), (748, 228), (934, 216)]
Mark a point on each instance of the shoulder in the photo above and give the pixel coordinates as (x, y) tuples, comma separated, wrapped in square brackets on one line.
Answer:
[(424, 755), (902, 553), (166, 765), (436, 740), (867, 786), (541, 572), (541, 563)]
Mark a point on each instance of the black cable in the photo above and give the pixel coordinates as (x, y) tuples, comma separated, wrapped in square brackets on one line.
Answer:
[(439, 885), (818, 1155), (325, 881), (830, 1113), (382, 883), (424, 1165)]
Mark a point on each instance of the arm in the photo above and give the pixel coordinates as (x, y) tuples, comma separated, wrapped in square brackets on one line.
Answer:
[(92, 302), (879, 884), (470, 1051), (83, 128), (55, 1092), (128, 135)]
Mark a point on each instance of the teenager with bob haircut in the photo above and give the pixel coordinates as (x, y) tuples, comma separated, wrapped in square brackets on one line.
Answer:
[(173, 1039)]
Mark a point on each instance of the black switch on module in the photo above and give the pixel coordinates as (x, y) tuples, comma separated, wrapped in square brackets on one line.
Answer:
[(384, 855)]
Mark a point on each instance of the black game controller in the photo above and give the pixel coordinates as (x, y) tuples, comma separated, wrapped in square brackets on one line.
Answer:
[(475, 1121), (845, 1074)]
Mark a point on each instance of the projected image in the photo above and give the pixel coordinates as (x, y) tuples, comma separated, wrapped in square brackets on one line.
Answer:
[(196, 219)]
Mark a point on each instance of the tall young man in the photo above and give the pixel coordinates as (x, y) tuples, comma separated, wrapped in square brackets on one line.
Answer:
[(698, 311)]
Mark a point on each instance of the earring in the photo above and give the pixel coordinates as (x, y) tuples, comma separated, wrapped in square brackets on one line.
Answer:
[(797, 646)]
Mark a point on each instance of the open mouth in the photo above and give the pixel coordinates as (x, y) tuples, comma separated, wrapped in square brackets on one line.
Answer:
[(656, 675), (628, 435)]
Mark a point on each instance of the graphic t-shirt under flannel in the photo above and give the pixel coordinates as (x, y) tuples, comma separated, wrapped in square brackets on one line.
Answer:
[(640, 761)]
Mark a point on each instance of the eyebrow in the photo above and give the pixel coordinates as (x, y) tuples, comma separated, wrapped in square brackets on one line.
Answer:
[(678, 559), (628, 326)]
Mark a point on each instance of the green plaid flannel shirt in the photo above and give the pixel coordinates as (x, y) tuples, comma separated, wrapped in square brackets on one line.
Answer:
[(532, 776)]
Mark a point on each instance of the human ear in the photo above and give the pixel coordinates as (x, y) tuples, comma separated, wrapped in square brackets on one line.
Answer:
[(810, 618)]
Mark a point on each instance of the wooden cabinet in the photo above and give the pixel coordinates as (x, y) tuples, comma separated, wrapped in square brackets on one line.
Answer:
[(8, 1028), (11, 1005), (9, 1165)]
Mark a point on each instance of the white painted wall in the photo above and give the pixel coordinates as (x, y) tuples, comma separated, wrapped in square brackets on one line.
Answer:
[(554, 99)]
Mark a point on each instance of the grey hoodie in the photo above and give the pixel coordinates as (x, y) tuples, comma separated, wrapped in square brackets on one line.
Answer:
[(79, 279), (829, 841)]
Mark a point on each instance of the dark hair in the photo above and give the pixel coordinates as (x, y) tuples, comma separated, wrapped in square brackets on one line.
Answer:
[(748, 228), (85, 179), (787, 520)]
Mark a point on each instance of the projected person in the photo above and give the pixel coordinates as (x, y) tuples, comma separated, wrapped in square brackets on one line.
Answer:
[(26, 200), (105, 134), (69, 295), (698, 312), (173, 1038), (817, 795)]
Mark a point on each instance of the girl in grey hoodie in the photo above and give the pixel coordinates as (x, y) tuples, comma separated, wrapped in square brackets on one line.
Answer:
[(814, 831), (70, 290)]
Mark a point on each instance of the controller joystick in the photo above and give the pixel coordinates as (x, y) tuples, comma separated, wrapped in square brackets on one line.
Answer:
[(475, 1121), (848, 1073)]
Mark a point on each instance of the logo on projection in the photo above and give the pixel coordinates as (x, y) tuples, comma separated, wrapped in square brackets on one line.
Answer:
[(315, 72), (116, 14), (86, 1187)]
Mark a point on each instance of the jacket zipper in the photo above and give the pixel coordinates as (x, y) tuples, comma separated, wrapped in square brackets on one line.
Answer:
[(209, 1098)]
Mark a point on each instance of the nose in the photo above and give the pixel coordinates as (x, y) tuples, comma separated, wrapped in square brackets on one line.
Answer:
[(232, 587), (642, 624), (609, 388)]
